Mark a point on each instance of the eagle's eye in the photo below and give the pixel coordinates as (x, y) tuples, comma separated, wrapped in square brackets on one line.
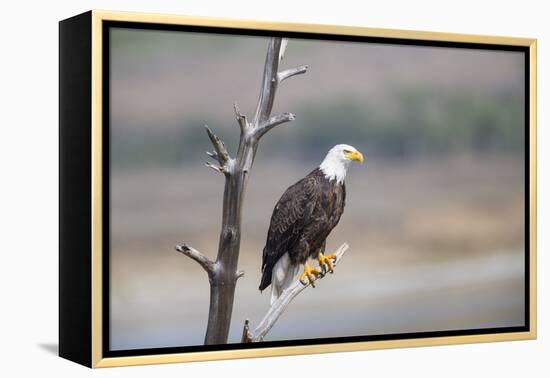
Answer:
[(347, 151)]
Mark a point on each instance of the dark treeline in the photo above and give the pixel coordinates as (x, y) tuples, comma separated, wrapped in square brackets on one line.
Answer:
[(422, 123)]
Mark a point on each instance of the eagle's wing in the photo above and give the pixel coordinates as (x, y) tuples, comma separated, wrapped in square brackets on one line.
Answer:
[(290, 217)]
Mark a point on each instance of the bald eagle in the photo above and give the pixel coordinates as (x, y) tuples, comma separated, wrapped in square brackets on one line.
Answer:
[(302, 220)]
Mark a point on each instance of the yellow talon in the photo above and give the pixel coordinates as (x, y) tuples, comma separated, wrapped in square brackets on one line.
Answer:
[(311, 274), (327, 262)]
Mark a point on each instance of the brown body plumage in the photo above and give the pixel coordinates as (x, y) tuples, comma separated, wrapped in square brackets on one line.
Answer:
[(302, 220)]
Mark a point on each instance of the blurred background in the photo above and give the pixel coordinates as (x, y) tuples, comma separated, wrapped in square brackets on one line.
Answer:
[(434, 218)]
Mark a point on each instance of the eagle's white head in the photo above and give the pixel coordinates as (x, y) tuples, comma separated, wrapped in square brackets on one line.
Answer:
[(337, 161)]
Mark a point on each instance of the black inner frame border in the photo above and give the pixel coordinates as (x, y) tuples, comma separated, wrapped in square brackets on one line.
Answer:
[(106, 25)]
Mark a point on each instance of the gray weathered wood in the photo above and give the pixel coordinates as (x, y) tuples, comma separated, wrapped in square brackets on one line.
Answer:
[(221, 152), (292, 72), (205, 262), (223, 273), (281, 304)]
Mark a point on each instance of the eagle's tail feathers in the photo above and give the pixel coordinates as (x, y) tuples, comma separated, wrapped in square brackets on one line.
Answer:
[(282, 277)]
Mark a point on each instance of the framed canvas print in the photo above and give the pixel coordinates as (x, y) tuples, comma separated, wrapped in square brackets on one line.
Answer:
[(361, 188)]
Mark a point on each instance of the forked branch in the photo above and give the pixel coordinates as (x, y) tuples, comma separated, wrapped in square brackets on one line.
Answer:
[(208, 265), (274, 121), (219, 147), (281, 304), (291, 72), (241, 118), (271, 79)]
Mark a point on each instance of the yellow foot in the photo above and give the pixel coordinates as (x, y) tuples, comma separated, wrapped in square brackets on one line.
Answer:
[(311, 274), (327, 262)]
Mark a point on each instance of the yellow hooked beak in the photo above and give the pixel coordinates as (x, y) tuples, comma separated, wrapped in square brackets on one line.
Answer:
[(355, 156)]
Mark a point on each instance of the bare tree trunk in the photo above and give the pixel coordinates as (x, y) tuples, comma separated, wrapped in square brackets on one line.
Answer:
[(223, 273)]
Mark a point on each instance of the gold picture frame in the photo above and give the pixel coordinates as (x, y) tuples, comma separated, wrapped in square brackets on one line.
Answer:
[(90, 328)]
